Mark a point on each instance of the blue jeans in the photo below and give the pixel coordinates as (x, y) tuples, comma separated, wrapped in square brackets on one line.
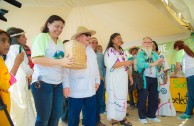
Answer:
[(64, 116), (48, 100), (190, 89), (88, 107), (132, 103), (100, 100), (152, 93)]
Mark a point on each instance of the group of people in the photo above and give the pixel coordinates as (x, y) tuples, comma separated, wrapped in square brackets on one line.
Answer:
[(46, 68), (15, 77)]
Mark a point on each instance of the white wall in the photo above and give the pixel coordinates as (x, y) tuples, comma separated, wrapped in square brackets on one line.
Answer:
[(31, 19)]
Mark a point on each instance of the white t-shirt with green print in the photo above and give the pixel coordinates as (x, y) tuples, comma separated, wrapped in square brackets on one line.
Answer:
[(44, 46)]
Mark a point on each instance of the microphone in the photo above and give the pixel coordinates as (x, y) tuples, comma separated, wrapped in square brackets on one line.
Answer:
[(14, 3), (2, 12)]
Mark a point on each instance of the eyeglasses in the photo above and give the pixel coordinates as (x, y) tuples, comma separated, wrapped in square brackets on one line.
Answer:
[(87, 34), (147, 42), (94, 43)]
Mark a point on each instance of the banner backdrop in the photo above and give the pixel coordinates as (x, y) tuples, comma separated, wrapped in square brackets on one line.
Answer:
[(168, 50)]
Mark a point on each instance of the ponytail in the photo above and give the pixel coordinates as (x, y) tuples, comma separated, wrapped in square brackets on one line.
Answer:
[(181, 45)]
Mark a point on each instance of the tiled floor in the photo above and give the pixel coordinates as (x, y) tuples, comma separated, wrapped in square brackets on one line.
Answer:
[(165, 121), (133, 118)]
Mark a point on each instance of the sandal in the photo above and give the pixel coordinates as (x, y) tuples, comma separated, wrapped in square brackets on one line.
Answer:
[(125, 122), (113, 123)]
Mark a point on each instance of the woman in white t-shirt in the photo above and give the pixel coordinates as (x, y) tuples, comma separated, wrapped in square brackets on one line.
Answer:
[(188, 70), (49, 60)]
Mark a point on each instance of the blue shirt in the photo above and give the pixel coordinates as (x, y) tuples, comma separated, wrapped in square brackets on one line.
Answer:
[(100, 60)]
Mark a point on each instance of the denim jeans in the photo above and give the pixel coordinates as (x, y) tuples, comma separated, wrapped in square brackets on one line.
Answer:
[(132, 103), (64, 116), (151, 92), (190, 89), (88, 107), (48, 99), (100, 100)]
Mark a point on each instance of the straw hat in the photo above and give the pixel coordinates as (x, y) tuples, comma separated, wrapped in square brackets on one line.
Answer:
[(133, 47), (81, 30)]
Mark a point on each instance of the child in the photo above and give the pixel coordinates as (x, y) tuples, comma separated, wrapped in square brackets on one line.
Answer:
[(6, 78)]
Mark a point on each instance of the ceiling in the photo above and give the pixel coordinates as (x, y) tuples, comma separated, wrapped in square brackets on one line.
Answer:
[(134, 19)]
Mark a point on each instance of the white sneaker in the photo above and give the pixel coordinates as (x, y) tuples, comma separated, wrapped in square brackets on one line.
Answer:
[(154, 119), (104, 113), (143, 121)]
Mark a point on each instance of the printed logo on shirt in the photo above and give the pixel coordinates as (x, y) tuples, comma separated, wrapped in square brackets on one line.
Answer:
[(58, 54)]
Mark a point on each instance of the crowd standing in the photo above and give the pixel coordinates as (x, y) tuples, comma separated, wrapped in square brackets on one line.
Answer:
[(63, 92)]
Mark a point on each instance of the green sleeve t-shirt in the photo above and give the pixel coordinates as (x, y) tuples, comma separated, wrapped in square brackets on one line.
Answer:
[(179, 56), (44, 46)]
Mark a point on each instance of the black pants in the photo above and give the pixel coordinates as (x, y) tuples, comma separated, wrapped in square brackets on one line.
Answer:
[(150, 93)]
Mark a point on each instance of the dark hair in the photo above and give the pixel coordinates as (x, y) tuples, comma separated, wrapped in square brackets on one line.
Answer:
[(65, 41), (4, 32), (110, 44), (155, 45), (181, 45), (13, 30), (50, 20)]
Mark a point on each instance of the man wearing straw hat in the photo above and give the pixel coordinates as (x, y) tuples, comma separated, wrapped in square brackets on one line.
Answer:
[(81, 85), (133, 51)]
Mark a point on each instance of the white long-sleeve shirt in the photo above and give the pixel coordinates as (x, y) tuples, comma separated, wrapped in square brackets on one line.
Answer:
[(82, 82)]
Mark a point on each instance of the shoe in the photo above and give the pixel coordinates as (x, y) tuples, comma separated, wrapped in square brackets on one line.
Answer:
[(83, 124), (64, 124), (104, 113), (144, 121), (132, 106), (115, 124), (184, 116), (154, 119), (100, 124), (124, 122)]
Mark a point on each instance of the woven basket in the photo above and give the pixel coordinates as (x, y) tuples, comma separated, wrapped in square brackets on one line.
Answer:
[(78, 52)]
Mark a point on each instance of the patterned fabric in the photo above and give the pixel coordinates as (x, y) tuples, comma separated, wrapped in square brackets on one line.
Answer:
[(165, 107), (28, 53), (116, 85)]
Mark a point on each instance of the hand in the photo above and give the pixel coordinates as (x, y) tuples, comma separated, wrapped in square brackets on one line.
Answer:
[(101, 78), (86, 57), (67, 61), (159, 61), (96, 86), (165, 80), (174, 75), (66, 92), (19, 59), (131, 80), (129, 62), (160, 64)]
